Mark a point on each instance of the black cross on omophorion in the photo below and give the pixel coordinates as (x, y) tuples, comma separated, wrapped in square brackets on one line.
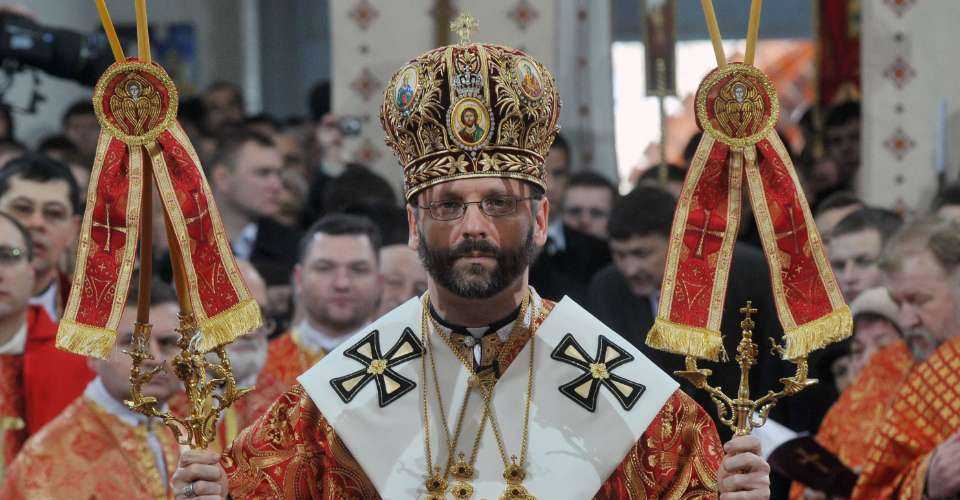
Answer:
[(379, 367), (598, 371)]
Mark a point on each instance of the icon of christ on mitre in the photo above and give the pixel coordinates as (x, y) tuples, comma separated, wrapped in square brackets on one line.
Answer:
[(480, 388)]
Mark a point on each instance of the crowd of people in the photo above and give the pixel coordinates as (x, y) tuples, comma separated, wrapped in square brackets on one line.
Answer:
[(322, 244)]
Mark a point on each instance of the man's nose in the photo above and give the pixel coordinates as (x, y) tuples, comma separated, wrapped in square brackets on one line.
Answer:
[(908, 316), (341, 279), (475, 224)]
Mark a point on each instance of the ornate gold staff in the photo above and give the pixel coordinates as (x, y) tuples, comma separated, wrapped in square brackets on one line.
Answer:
[(742, 414), (211, 387), (737, 107)]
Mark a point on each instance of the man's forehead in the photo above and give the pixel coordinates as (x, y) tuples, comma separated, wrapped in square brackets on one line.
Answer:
[(637, 241), (588, 191), (863, 241), (477, 186), (54, 190), (916, 266), (325, 246)]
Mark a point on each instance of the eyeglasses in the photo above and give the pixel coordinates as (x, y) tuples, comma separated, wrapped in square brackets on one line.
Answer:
[(491, 206), (10, 256)]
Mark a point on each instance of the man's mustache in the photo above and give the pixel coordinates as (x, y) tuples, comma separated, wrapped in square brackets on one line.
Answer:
[(469, 248)]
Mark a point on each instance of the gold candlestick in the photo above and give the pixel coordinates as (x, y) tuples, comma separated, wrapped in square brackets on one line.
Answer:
[(742, 414), (211, 387)]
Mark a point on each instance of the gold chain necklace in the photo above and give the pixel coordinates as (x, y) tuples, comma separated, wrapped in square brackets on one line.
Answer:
[(514, 468)]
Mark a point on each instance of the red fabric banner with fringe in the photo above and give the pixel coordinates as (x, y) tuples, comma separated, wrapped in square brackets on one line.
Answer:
[(136, 105), (737, 108)]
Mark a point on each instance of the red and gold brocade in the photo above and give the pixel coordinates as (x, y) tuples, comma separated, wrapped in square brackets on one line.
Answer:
[(37, 385), (293, 452), (849, 426), (90, 454), (11, 406), (287, 359), (925, 412)]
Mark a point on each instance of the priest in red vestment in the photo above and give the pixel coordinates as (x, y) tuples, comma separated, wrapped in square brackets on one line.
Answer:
[(37, 381), (480, 388), (915, 450)]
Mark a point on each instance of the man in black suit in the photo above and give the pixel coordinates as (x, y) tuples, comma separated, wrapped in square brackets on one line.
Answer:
[(570, 257), (625, 294), (245, 178)]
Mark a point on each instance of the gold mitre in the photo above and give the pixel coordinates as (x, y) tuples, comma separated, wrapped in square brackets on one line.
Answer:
[(470, 110)]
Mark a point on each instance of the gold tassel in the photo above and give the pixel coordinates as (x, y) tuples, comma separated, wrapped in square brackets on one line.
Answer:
[(230, 324), (686, 340), (85, 340), (818, 333)]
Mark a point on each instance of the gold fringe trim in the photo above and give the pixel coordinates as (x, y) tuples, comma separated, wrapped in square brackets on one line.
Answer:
[(223, 328), (818, 333), (85, 340), (686, 340)]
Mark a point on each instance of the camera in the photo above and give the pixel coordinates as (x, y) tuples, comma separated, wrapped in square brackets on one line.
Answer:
[(59, 52)]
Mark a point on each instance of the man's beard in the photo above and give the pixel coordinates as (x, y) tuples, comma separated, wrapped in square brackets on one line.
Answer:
[(476, 282), (922, 343)]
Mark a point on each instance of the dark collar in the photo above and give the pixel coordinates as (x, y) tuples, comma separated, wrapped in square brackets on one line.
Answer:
[(462, 330)]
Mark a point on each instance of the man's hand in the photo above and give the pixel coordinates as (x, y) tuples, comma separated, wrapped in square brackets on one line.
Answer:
[(943, 476), (743, 474), (202, 470)]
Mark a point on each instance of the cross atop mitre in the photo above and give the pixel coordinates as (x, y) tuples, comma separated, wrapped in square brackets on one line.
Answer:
[(464, 25)]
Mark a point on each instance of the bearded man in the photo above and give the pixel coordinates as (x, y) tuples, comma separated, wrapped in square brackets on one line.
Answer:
[(915, 451), (480, 388)]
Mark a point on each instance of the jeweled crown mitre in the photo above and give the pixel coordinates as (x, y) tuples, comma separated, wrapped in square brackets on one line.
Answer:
[(470, 110)]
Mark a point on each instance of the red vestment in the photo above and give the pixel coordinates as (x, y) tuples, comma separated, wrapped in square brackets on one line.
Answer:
[(37, 385), (848, 428), (925, 412), (293, 452)]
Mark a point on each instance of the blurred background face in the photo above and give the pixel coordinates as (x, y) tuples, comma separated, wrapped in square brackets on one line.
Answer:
[(338, 282), (83, 131), (853, 257), (843, 145), (248, 353), (640, 259), (870, 334), (557, 165), (478, 256), (115, 370), (587, 209), (16, 273), (927, 297), (403, 276), (253, 185), (44, 209), (223, 108)]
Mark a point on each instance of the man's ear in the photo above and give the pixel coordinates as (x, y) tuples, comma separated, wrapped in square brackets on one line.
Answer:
[(413, 234), (75, 222), (541, 222), (297, 278), (218, 176)]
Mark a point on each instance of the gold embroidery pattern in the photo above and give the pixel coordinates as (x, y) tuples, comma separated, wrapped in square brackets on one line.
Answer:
[(135, 112), (518, 114)]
